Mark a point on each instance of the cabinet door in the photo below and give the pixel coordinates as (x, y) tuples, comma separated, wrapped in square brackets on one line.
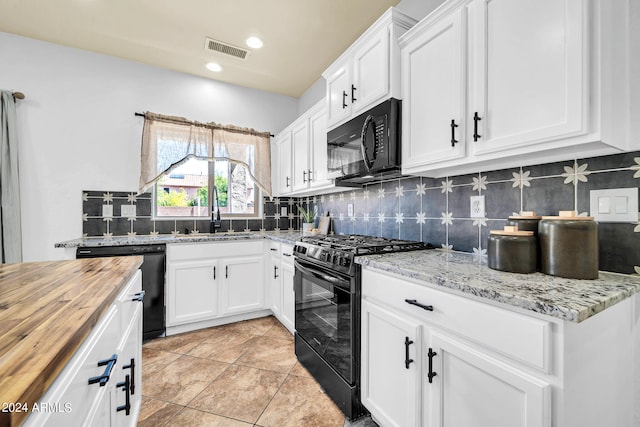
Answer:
[(286, 182), (526, 74), (192, 291), (300, 149), (318, 143), (472, 389), (288, 297), (391, 366), (130, 365), (242, 284), (370, 81), (433, 93), (338, 94)]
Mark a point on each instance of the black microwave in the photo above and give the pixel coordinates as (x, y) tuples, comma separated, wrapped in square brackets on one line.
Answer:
[(366, 148)]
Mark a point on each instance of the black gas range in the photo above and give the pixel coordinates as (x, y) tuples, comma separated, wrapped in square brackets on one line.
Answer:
[(327, 313)]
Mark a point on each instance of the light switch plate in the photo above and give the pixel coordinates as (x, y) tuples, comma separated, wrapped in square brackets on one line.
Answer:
[(350, 210), (283, 211), (477, 207), (107, 211), (614, 205), (128, 211)]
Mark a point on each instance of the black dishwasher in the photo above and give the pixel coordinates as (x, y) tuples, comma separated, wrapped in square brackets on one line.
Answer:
[(152, 280)]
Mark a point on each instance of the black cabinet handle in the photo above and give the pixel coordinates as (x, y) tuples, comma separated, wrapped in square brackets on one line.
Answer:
[(286, 254), (104, 378), (353, 93), (407, 361), (127, 402), (275, 271), (453, 133), (214, 272), (138, 296), (288, 179), (344, 99), (416, 303), (431, 374), (476, 119), (304, 176), (309, 175), (226, 271), (132, 366), (273, 249)]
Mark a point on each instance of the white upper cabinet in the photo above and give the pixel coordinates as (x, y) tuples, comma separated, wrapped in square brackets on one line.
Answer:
[(368, 72), (434, 107), (301, 153), (503, 83)]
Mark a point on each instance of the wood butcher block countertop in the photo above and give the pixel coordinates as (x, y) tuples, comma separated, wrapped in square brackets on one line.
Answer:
[(47, 309)]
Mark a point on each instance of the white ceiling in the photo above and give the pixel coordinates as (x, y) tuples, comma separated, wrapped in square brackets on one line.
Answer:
[(301, 37)]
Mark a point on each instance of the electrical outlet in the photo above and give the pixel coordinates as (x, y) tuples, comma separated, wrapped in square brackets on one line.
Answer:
[(128, 211), (477, 207), (107, 211)]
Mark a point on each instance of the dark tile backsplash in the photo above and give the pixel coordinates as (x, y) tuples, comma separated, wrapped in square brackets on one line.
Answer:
[(437, 211), (434, 210), (94, 224)]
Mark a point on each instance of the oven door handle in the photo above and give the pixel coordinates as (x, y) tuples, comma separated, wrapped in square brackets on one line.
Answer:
[(321, 275)]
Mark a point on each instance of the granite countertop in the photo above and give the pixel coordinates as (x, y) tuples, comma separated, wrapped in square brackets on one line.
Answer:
[(568, 299), (47, 310), (289, 237)]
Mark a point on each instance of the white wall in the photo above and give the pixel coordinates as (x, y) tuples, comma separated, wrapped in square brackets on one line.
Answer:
[(77, 130)]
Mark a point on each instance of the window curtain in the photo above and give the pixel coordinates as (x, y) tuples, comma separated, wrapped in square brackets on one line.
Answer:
[(11, 236), (169, 141)]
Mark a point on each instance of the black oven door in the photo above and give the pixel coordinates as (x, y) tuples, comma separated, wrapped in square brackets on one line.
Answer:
[(324, 315)]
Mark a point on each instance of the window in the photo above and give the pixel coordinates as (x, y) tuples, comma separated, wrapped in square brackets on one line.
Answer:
[(186, 191)]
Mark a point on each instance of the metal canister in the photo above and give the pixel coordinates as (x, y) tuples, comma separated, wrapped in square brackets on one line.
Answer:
[(512, 250), (527, 221), (569, 246)]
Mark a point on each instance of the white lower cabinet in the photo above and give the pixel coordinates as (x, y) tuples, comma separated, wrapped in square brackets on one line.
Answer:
[(431, 357), (391, 366), (208, 282), (467, 387), (280, 275), (90, 390), (287, 316)]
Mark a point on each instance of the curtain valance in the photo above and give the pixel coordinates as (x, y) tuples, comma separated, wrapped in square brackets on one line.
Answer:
[(168, 141)]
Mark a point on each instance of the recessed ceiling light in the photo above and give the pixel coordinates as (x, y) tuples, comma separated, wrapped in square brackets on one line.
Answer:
[(254, 42), (212, 66)]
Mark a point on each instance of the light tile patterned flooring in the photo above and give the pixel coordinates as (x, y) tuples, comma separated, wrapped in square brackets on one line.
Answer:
[(241, 374)]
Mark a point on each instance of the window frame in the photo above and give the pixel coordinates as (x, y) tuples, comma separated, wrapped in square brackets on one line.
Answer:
[(258, 205)]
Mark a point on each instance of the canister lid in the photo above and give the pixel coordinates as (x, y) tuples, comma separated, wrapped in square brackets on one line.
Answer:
[(511, 231), (526, 215), (569, 216)]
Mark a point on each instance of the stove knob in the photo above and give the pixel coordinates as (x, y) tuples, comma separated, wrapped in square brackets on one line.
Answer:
[(337, 260), (346, 262)]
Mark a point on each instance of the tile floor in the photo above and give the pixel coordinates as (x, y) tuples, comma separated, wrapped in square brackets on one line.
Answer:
[(241, 374)]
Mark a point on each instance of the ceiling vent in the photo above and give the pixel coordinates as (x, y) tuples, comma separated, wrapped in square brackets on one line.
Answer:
[(226, 48)]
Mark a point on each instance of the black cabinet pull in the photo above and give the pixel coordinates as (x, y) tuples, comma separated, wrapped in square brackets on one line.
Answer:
[(353, 93), (476, 119), (275, 271), (138, 296), (407, 361), (344, 99), (214, 272), (226, 271), (127, 402), (309, 175), (104, 378), (431, 374), (416, 303), (288, 179), (273, 249), (453, 133), (132, 366), (304, 176)]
